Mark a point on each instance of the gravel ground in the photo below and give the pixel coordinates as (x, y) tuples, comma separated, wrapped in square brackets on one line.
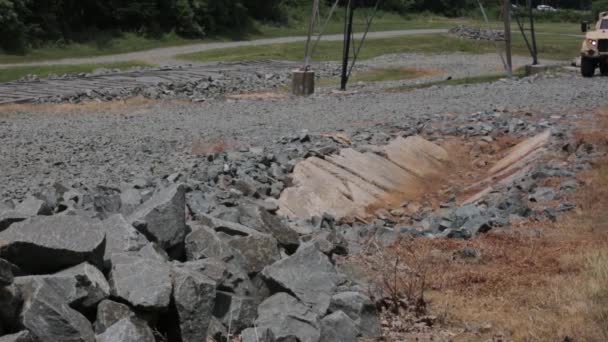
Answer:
[(106, 147)]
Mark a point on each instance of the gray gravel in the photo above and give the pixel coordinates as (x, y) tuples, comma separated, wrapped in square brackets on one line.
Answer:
[(154, 140)]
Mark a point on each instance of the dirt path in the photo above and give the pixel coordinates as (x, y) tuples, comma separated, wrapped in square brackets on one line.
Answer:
[(163, 56)]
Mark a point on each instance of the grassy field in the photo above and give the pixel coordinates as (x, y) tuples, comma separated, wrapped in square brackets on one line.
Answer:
[(11, 74), (130, 42), (550, 46)]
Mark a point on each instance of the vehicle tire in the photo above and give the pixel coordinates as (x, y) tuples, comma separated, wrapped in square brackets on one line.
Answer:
[(604, 68), (588, 66)]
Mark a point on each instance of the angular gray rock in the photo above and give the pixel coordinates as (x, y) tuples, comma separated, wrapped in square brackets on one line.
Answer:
[(235, 311), (32, 206), (108, 313), (198, 203), (154, 252), (90, 281), (130, 199), (288, 318), (228, 276), (10, 306), (6, 273), (162, 219), (360, 309), (9, 217), (542, 194), (144, 283), (22, 336), (257, 251), (204, 243), (128, 329), (308, 274), (194, 297), (46, 244), (217, 331), (338, 327), (81, 286), (50, 319), (257, 335), (258, 218), (107, 204), (227, 227), (120, 237)]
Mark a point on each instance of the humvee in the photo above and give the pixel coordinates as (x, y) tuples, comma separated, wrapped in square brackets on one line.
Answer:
[(594, 51)]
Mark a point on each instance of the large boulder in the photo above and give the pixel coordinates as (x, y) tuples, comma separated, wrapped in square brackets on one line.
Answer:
[(258, 218), (308, 274), (288, 318), (128, 329), (49, 318), (108, 313), (338, 327), (257, 251), (120, 237), (82, 286), (22, 336), (360, 309), (48, 244), (144, 283), (6, 273), (162, 218), (194, 296)]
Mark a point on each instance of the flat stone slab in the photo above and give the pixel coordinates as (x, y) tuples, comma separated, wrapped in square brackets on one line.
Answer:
[(347, 183)]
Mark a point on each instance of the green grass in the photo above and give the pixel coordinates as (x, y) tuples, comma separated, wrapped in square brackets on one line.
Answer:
[(11, 74), (489, 78), (384, 21), (127, 42), (130, 42), (377, 75), (549, 46)]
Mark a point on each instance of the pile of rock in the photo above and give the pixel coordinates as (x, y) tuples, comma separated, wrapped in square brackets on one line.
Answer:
[(231, 80), (468, 32), (163, 269)]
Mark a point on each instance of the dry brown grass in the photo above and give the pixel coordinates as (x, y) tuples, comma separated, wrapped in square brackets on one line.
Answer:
[(84, 107), (539, 281)]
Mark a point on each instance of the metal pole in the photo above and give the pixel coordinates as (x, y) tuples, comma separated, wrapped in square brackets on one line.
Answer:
[(523, 33), (506, 13), (311, 27), (533, 33), (348, 29)]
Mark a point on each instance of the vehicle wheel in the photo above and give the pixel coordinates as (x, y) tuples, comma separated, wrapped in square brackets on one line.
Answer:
[(588, 66), (604, 68)]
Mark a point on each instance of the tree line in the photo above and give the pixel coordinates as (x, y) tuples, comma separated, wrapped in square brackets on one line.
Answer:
[(32, 23)]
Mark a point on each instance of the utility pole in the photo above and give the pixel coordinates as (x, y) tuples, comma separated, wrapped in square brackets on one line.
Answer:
[(533, 33), (348, 30), (506, 13)]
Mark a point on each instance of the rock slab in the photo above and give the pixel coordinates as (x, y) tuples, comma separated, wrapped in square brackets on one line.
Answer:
[(46, 244)]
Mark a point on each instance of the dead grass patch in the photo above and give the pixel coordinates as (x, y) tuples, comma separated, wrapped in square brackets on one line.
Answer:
[(538, 281), (259, 96), (83, 107)]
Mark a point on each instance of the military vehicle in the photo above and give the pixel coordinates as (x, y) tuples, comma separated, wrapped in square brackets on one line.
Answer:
[(594, 51)]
